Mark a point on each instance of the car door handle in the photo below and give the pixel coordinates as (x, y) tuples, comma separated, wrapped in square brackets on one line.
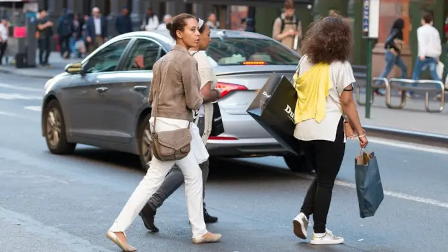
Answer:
[(101, 89), (140, 88)]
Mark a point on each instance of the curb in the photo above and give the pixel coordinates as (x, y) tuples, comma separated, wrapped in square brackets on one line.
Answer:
[(431, 139), (25, 74)]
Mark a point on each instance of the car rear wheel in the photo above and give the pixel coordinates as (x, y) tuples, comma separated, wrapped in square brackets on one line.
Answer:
[(144, 146), (55, 134), (297, 163)]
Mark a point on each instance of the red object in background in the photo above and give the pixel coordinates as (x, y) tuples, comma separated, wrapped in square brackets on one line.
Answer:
[(19, 32), (56, 41), (446, 28)]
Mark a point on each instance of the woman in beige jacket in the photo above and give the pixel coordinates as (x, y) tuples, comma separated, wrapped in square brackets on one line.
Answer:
[(174, 94), (204, 121)]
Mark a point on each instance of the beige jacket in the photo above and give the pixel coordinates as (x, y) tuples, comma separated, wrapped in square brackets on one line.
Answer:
[(175, 86)]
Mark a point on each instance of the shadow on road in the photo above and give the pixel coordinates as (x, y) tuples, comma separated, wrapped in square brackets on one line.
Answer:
[(221, 169)]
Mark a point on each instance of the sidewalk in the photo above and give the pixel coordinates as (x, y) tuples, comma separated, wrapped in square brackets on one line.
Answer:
[(55, 59), (413, 117)]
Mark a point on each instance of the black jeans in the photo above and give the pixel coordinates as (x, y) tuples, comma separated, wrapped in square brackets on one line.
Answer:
[(64, 44), (44, 50), (326, 158), (3, 47)]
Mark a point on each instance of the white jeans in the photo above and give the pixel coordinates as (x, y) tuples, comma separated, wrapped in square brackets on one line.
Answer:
[(153, 180)]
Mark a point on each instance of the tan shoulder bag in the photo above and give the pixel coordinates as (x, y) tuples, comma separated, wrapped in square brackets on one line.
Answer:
[(170, 145)]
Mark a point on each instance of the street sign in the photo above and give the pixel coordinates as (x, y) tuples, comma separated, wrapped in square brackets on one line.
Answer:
[(370, 18)]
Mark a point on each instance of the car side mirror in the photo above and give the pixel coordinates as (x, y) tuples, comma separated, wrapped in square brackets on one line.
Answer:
[(74, 68)]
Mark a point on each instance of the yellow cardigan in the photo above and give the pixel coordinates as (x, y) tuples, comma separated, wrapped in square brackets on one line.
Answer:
[(312, 90)]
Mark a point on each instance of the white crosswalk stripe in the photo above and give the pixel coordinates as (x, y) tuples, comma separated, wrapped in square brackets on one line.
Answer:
[(32, 97)]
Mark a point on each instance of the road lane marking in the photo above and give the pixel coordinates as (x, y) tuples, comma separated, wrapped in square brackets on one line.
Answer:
[(388, 193), (15, 96), (33, 226), (266, 165), (37, 90), (409, 146), (34, 108)]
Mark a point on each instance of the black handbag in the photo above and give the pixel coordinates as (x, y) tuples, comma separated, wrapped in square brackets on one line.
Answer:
[(217, 124)]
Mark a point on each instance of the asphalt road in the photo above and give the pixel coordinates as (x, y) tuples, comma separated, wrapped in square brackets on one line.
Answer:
[(66, 203)]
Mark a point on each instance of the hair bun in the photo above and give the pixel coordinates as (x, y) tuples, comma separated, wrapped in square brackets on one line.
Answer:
[(169, 25)]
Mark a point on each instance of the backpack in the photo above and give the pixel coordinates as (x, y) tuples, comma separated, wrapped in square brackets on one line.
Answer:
[(295, 21)]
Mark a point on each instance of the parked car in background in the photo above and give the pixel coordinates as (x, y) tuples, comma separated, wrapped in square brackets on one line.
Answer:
[(103, 100)]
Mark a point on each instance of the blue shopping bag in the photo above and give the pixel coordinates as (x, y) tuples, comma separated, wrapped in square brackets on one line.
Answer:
[(368, 184)]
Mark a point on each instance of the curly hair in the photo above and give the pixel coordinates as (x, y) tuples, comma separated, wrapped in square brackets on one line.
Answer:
[(328, 40)]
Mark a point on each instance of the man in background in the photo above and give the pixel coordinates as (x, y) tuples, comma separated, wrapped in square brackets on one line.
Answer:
[(96, 30), (287, 28), (45, 30), (65, 31), (429, 49), (123, 23)]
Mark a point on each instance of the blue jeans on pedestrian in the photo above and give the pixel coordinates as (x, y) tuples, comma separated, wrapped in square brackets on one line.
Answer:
[(422, 65), (391, 60)]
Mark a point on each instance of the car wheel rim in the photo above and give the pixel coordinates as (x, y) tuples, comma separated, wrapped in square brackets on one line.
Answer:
[(54, 127), (146, 144)]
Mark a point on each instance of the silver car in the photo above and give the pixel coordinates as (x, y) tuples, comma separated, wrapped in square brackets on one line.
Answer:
[(103, 100)]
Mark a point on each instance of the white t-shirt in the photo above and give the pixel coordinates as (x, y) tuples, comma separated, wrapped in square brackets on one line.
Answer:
[(341, 77), (205, 72)]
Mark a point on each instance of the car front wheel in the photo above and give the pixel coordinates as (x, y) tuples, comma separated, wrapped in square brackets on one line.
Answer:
[(144, 145), (55, 134), (297, 163)]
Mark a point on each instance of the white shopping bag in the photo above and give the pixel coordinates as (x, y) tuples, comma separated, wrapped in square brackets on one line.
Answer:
[(440, 68), (197, 146)]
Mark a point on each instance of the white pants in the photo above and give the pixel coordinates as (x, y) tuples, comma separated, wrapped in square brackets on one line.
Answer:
[(154, 179)]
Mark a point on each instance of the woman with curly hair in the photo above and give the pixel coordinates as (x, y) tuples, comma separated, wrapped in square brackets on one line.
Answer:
[(324, 83)]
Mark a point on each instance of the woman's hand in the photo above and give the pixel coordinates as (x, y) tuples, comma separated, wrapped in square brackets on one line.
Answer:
[(363, 140)]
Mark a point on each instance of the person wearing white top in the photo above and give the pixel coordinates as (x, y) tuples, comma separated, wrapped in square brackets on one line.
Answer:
[(166, 19), (429, 49), (3, 38), (326, 47), (151, 21), (204, 120)]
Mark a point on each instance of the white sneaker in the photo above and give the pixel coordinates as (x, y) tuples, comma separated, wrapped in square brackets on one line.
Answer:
[(300, 224), (326, 239)]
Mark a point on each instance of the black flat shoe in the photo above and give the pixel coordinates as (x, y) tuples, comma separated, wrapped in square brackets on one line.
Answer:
[(148, 215)]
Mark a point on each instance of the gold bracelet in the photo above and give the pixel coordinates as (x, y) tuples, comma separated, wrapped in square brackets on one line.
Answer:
[(364, 135)]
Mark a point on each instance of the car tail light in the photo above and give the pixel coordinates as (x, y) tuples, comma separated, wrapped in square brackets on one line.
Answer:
[(221, 138), (226, 88)]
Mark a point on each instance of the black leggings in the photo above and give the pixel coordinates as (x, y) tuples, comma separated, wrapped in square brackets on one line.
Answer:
[(326, 158)]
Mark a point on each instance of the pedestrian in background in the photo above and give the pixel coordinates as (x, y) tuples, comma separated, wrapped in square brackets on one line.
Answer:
[(45, 32), (151, 21), (3, 38), (204, 121), (96, 30), (287, 28), (324, 83), (429, 50), (174, 94), (393, 47), (212, 21), (123, 23), (65, 29), (166, 19)]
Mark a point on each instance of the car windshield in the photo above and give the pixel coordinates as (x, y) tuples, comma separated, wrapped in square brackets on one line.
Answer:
[(249, 51)]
